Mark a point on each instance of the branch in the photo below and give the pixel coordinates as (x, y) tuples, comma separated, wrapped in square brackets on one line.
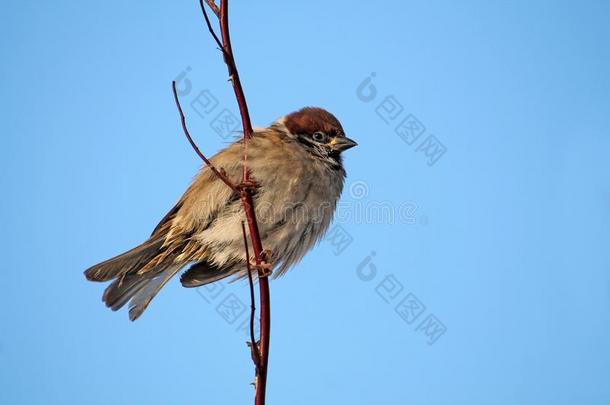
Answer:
[(213, 6), (246, 192), (253, 345), (220, 175), (209, 24), (232, 67)]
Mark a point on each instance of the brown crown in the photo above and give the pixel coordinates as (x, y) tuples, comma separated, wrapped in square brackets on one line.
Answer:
[(311, 119)]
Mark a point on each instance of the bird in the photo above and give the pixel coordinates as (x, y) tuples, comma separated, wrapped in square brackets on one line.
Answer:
[(297, 167)]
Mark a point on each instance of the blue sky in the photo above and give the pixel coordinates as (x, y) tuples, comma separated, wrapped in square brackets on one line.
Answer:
[(483, 131)]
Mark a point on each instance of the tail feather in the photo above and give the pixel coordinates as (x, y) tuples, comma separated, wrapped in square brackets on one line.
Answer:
[(139, 274), (125, 262), (138, 290), (156, 265), (144, 295), (121, 290)]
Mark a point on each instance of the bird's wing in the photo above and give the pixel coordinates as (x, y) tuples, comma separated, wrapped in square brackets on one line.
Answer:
[(204, 272), (166, 221), (206, 196)]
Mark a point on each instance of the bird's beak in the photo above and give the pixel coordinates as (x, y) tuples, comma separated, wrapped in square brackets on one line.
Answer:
[(342, 143)]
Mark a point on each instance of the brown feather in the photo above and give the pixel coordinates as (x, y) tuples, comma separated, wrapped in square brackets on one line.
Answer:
[(294, 203)]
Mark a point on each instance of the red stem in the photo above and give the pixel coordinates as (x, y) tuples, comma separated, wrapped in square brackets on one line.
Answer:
[(265, 306), (246, 195), (253, 345), (220, 175)]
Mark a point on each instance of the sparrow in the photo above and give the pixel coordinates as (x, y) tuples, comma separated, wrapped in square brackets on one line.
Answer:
[(297, 167)]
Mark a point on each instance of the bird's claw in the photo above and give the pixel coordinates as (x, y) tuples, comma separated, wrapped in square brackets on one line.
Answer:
[(264, 268), (266, 254), (248, 185)]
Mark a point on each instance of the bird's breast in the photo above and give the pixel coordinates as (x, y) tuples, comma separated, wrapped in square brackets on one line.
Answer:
[(297, 199)]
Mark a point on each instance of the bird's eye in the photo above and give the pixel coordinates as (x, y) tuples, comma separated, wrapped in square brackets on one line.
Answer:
[(319, 136)]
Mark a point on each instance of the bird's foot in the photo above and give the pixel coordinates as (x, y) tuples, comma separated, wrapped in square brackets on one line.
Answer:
[(248, 185), (264, 268)]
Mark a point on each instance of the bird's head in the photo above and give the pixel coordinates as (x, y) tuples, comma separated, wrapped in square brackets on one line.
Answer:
[(318, 131)]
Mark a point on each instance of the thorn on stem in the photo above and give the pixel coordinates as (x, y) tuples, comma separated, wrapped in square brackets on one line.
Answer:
[(255, 353)]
